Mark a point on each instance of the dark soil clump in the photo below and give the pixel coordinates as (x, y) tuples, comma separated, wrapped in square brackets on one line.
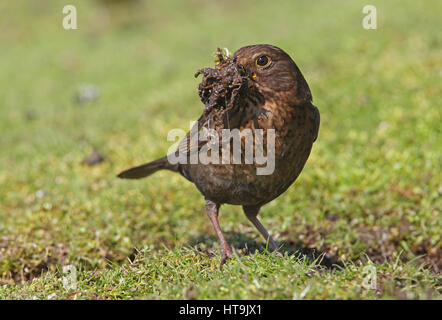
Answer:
[(222, 87)]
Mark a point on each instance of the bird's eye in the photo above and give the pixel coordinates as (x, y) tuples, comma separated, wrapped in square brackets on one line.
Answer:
[(263, 61)]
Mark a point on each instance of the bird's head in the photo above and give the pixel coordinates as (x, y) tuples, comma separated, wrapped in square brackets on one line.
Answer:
[(274, 72)]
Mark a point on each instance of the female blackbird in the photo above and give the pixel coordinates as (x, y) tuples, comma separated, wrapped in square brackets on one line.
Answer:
[(259, 87)]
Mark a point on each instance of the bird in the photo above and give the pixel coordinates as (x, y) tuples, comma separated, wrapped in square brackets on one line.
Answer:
[(259, 87)]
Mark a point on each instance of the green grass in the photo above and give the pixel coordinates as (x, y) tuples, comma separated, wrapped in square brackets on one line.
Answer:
[(370, 193)]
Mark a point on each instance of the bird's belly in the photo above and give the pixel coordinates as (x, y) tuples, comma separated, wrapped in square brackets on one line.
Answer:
[(241, 184)]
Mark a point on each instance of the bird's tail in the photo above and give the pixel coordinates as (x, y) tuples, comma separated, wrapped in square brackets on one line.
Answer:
[(147, 169)]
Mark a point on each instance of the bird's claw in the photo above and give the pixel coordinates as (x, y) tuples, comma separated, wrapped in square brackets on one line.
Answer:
[(226, 253)]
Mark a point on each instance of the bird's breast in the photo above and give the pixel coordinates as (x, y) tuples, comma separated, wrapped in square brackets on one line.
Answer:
[(240, 183)]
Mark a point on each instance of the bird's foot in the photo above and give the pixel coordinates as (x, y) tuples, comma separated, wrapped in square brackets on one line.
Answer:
[(278, 253), (226, 253)]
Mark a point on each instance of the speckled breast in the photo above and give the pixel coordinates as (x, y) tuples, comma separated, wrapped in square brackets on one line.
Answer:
[(295, 130)]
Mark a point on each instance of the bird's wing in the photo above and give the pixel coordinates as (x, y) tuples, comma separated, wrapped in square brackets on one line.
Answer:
[(186, 146)]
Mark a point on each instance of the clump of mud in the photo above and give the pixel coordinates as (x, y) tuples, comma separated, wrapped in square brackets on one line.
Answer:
[(222, 88)]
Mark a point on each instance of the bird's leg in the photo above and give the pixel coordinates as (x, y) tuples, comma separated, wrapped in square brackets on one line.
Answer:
[(251, 214), (212, 209)]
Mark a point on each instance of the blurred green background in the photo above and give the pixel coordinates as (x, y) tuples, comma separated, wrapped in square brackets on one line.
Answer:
[(369, 194)]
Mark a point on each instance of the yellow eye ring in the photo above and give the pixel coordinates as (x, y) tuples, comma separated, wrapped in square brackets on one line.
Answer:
[(263, 61)]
